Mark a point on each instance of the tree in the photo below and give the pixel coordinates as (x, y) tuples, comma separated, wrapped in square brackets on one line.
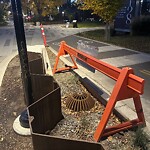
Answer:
[(3, 13), (106, 9), (42, 7)]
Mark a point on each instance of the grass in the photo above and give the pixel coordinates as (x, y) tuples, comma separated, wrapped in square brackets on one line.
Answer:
[(138, 43), (141, 139), (88, 24), (85, 24)]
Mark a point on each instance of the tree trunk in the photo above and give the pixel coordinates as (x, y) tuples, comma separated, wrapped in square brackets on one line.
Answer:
[(107, 32), (39, 11)]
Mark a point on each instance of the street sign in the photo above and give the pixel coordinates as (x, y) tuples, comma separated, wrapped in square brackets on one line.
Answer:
[(125, 16)]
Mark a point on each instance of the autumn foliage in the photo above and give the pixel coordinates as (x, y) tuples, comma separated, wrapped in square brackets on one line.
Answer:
[(42, 7), (106, 9)]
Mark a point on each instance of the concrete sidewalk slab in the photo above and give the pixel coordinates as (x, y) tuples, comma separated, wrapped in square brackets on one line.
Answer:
[(128, 60)]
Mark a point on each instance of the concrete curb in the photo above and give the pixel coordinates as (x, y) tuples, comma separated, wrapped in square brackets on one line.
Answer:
[(4, 64), (121, 109), (46, 62), (19, 129)]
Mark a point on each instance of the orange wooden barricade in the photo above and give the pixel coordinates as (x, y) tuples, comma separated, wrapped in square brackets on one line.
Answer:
[(127, 86)]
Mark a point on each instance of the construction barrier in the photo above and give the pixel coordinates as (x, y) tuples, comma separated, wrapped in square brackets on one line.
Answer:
[(127, 86), (43, 35)]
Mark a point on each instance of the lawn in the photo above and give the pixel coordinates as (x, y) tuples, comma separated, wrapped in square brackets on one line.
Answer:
[(89, 24), (138, 43)]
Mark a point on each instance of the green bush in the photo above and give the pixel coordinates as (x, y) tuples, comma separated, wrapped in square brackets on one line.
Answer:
[(2, 15), (35, 19), (141, 139), (141, 26)]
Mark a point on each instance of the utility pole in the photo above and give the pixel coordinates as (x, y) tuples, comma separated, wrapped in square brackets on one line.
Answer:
[(22, 50)]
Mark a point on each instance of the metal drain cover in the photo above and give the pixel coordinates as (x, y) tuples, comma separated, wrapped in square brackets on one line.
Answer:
[(80, 101)]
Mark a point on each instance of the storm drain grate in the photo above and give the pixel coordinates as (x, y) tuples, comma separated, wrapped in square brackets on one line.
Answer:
[(80, 102)]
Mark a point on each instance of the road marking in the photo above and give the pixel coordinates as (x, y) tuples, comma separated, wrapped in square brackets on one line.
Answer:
[(108, 48), (56, 43), (145, 72)]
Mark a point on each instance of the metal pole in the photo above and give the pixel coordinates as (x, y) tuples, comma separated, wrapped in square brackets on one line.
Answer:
[(22, 50), (138, 8)]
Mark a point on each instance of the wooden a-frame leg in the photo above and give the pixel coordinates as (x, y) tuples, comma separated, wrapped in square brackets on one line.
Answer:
[(119, 87), (75, 65), (56, 64), (139, 109)]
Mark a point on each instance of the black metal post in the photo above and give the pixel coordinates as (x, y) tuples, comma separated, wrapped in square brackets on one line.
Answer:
[(22, 49)]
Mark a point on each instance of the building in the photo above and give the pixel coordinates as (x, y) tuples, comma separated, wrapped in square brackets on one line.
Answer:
[(145, 9)]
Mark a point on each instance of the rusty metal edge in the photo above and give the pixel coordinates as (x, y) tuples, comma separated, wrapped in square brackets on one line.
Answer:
[(61, 143)]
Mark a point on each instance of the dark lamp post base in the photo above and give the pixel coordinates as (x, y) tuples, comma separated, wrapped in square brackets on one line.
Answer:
[(21, 124), (24, 120)]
